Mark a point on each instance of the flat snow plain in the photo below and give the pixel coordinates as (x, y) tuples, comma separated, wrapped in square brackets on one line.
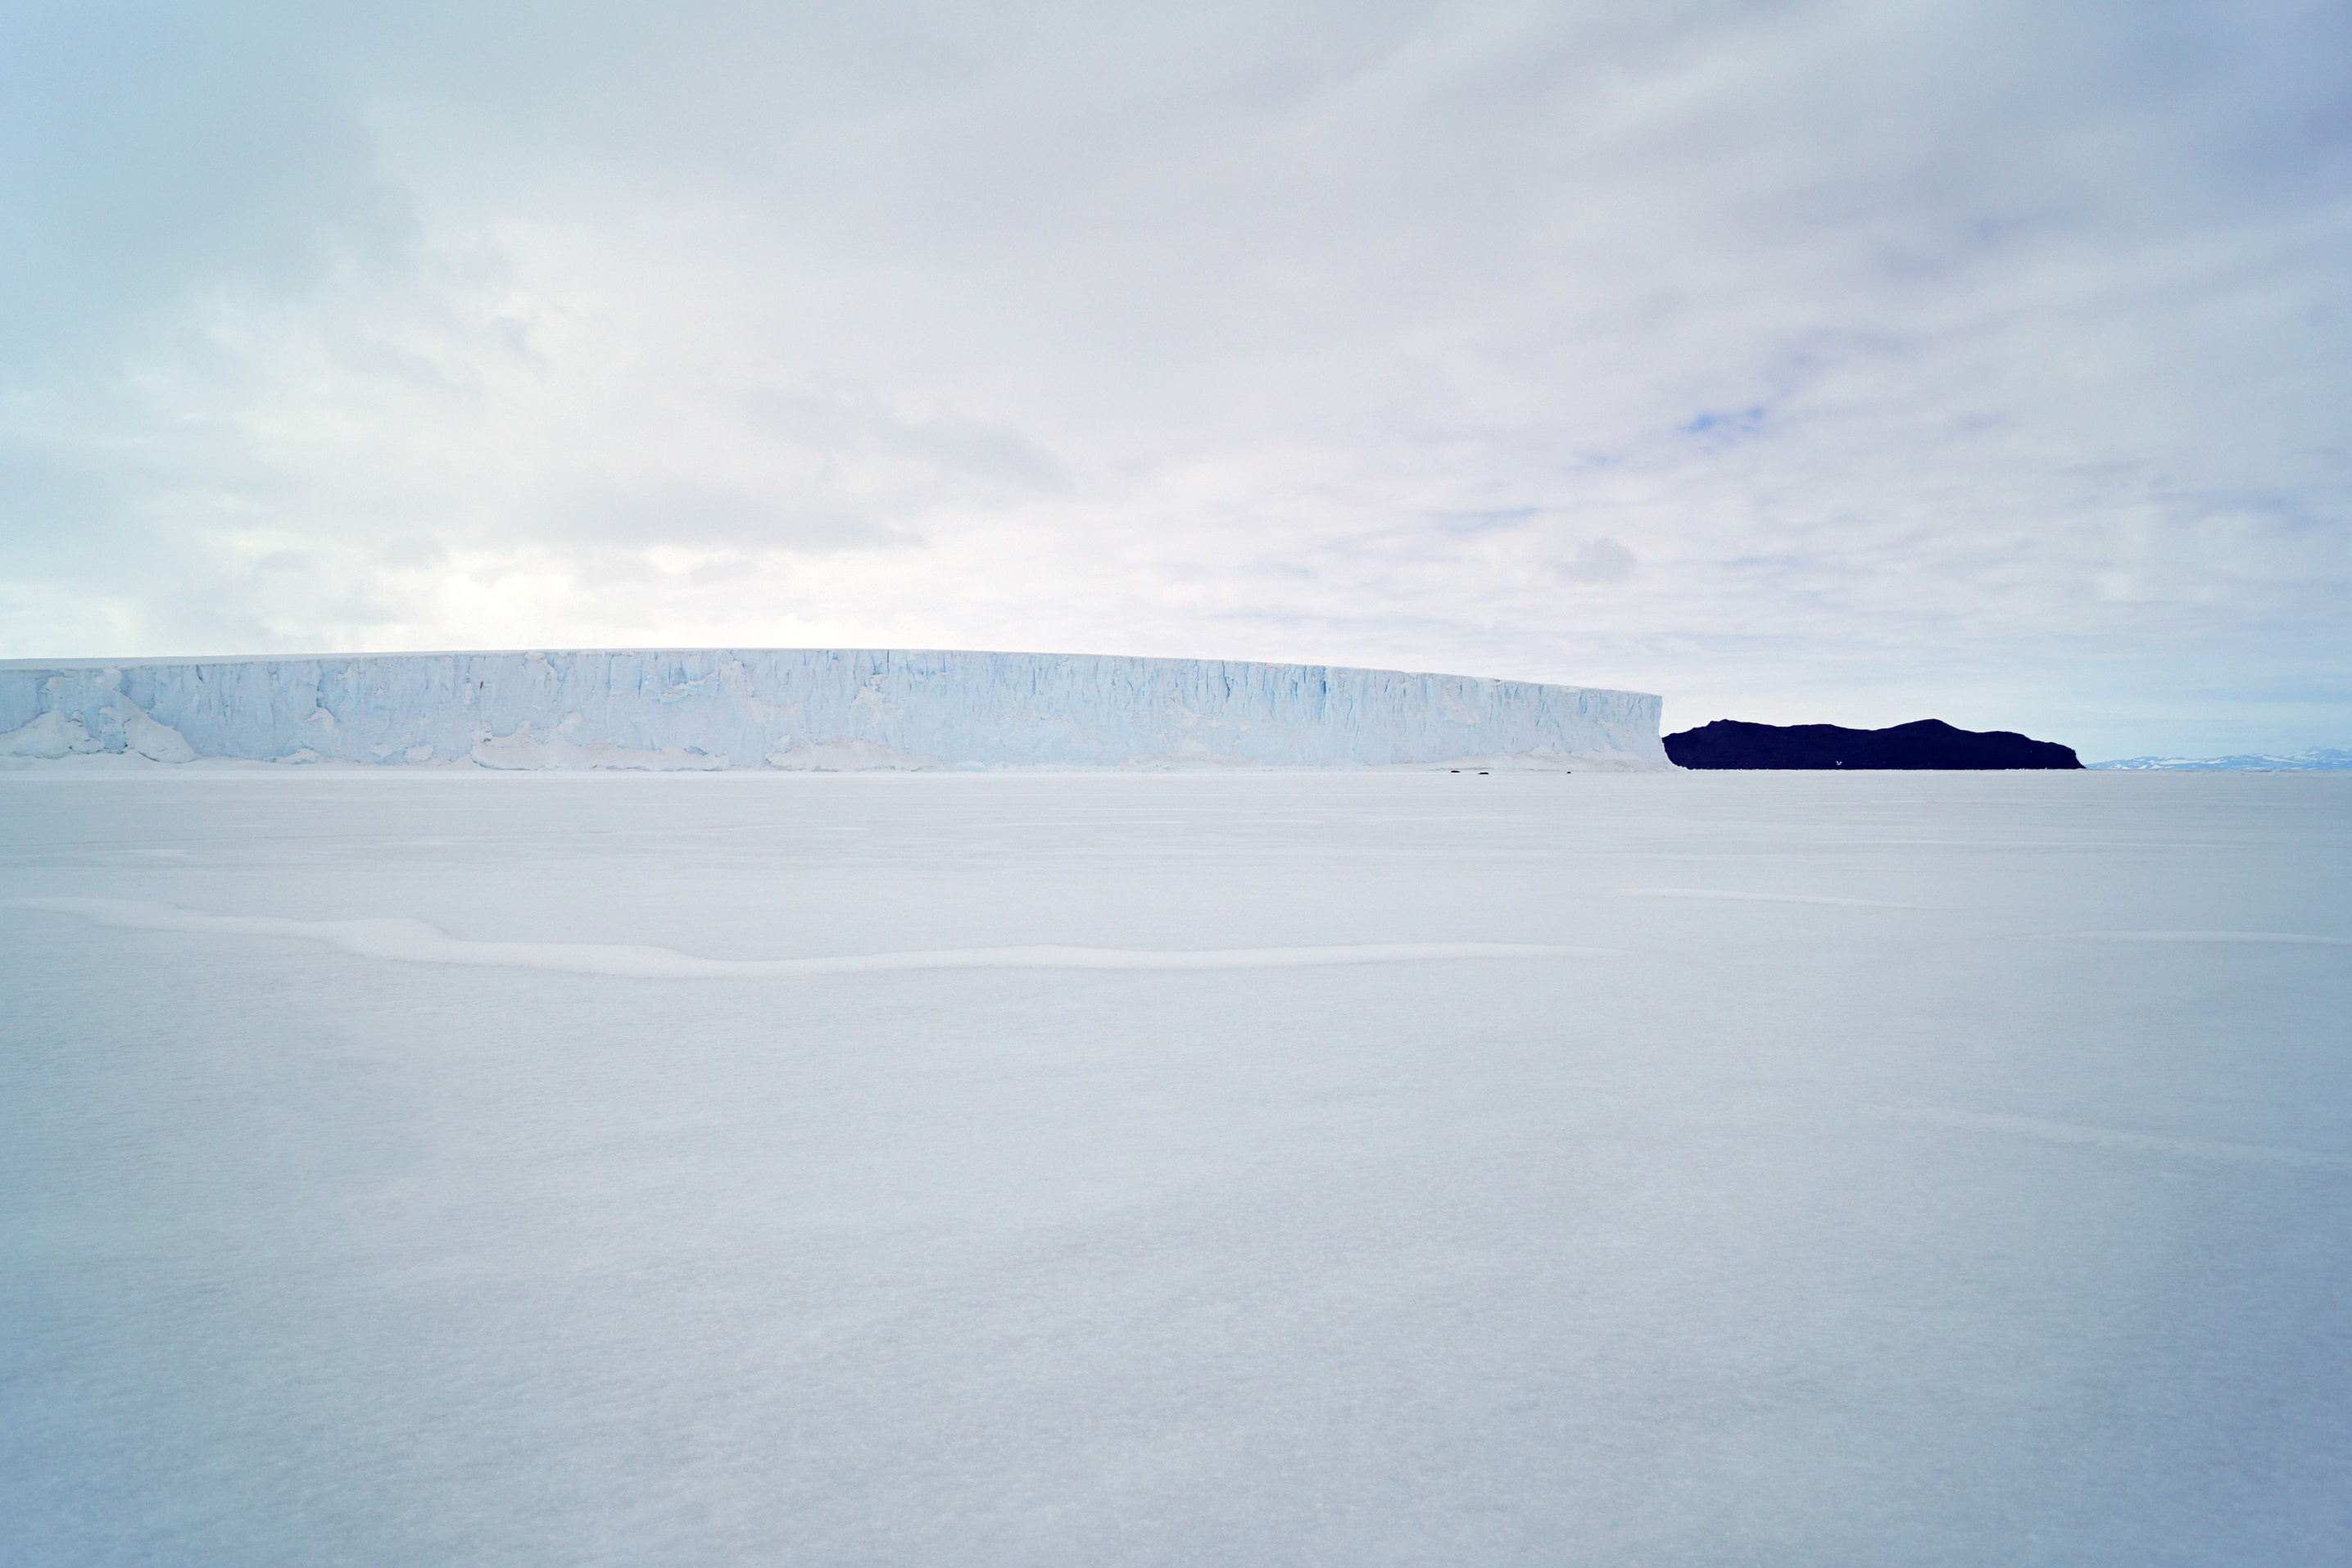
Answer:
[(1925, 1169)]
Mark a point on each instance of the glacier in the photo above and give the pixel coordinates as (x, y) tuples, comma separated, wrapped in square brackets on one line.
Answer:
[(2315, 759), (807, 709)]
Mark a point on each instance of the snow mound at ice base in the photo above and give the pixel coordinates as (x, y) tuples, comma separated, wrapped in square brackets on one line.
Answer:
[(817, 710), (85, 713)]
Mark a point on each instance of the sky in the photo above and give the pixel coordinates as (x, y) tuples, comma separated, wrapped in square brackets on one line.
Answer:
[(1802, 362)]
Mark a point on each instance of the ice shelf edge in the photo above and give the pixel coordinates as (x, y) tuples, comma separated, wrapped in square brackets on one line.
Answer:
[(818, 708)]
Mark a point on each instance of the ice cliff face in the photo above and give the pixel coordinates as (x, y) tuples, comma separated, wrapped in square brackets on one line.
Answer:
[(804, 708)]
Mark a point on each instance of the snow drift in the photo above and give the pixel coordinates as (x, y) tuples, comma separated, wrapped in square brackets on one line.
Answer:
[(808, 709)]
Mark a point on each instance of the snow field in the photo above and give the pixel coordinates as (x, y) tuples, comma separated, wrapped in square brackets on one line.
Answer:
[(1899, 1168)]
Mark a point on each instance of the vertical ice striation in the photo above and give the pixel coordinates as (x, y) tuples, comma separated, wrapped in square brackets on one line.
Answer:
[(805, 708)]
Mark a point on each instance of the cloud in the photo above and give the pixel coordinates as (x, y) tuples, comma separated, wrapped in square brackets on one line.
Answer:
[(156, 161), (689, 514), (1982, 360), (1599, 560)]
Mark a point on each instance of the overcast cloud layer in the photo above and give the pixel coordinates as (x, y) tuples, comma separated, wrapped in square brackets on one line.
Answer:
[(1801, 362)]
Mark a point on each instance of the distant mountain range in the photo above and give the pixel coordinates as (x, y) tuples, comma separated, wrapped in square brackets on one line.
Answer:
[(2319, 759)]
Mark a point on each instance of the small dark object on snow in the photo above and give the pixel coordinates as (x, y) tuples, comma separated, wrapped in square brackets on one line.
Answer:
[(1927, 743)]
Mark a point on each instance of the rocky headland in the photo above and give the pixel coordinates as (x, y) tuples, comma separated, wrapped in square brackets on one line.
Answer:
[(1925, 743)]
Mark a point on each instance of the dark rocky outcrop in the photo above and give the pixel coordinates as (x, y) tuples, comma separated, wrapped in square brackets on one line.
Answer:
[(1928, 743)]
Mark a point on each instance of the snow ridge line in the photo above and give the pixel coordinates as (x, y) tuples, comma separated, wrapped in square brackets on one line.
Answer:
[(410, 940), (2288, 936), (1759, 897), (2107, 1138)]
